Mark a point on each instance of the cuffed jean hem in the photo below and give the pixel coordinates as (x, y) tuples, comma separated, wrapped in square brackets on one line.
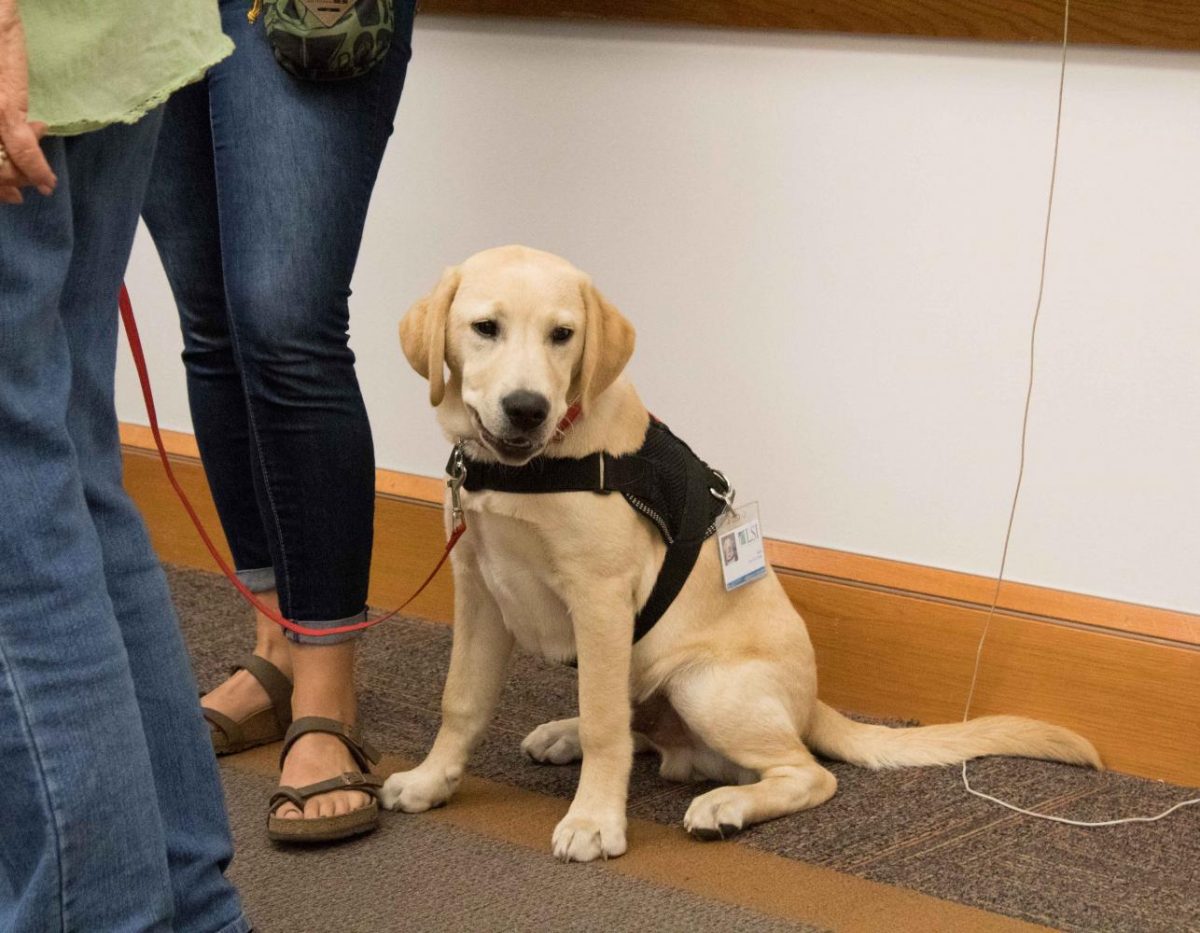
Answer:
[(240, 925), (258, 580), (299, 639)]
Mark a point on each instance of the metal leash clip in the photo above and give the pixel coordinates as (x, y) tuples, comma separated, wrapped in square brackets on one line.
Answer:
[(458, 475)]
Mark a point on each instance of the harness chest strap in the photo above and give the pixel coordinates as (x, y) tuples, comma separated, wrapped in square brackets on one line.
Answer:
[(664, 481)]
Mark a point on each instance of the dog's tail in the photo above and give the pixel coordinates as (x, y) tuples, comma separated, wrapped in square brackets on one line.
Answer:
[(870, 746)]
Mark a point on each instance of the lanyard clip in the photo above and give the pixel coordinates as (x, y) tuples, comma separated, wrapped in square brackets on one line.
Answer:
[(725, 495), (457, 469)]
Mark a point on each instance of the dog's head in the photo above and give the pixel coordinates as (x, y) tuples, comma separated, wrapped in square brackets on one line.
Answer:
[(524, 335)]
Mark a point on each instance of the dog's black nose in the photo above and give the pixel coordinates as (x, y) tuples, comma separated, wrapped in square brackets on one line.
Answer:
[(525, 410)]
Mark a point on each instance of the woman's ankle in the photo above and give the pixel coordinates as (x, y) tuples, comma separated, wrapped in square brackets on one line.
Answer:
[(275, 653), (270, 643), (324, 678)]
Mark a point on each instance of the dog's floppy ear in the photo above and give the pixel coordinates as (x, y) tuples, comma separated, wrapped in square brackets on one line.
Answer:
[(607, 345), (423, 334)]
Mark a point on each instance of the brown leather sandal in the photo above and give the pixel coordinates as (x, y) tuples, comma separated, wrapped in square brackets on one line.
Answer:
[(230, 736), (327, 828)]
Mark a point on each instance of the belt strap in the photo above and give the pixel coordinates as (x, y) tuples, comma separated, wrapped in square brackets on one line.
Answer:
[(640, 480), (599, 472)]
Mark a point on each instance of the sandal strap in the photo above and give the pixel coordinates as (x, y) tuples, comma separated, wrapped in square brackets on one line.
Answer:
[(274, 681), (363, 753), (348, 780), (232, 729)]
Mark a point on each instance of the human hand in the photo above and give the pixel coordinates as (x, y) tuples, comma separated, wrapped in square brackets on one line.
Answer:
[(22, 162)]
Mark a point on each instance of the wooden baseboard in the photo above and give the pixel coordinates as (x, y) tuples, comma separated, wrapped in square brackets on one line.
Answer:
[(898, 640), (1170, 24)]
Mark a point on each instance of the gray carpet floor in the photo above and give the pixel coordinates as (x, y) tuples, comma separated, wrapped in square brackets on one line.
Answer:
[(915, 828)]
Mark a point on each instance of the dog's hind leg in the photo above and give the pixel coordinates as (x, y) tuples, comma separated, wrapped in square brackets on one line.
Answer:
[(734, 711), (557, 743), (554, 743)]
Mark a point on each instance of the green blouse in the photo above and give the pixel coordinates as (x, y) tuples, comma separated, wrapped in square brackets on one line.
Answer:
[(97, 62)]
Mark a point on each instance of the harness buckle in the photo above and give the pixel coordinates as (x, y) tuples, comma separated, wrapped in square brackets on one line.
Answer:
[(458, 475)]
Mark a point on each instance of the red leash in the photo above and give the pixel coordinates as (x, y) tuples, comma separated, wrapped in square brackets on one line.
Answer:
[(139, 361)]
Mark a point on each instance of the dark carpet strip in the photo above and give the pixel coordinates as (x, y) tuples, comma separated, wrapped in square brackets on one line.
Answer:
[(915, 828)]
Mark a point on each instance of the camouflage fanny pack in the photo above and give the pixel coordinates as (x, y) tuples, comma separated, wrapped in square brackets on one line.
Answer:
[(327, 40)]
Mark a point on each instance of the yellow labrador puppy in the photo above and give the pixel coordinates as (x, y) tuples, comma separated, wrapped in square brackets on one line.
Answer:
[(723, 686)]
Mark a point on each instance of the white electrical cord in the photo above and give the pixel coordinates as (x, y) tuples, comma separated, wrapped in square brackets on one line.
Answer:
[(1012, 514)]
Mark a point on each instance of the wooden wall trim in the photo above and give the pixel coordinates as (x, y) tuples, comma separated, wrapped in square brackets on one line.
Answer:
[(176, 443), (881, 651), (826, 564), (1166, 24), (899, 655), (1022, 598), (182, 445)]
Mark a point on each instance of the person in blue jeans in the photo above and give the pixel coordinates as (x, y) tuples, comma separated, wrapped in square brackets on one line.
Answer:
[(113, 817), (257, 204)]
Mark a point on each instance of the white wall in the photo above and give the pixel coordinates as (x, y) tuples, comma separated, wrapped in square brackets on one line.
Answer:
[(830, 247)]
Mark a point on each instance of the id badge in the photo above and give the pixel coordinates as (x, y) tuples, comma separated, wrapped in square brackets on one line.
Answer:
[(740, 544)]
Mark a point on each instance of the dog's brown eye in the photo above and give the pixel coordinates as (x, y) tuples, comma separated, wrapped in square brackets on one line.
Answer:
[(487, 328), (561, 334)]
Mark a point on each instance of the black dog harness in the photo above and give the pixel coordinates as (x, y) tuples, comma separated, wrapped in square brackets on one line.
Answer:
[(663, 480)]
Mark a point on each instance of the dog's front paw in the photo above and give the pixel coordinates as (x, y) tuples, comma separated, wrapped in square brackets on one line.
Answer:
[(418, 790), (584, 838), (716, 815), (554, 743)]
